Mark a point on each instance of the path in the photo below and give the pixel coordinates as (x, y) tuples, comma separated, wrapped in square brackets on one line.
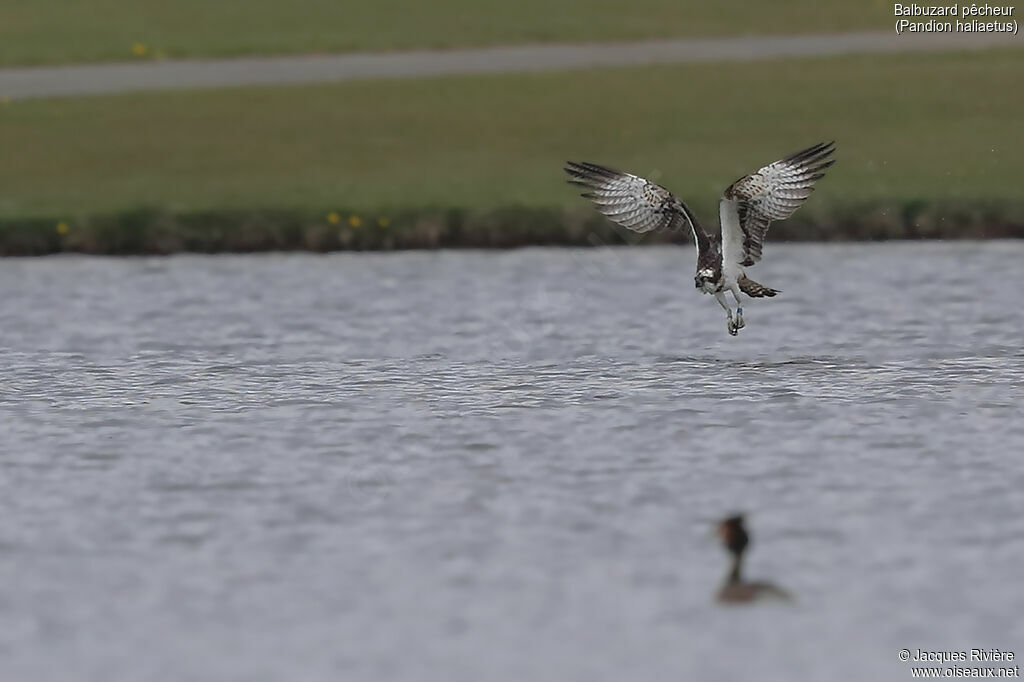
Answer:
[(101, 79)]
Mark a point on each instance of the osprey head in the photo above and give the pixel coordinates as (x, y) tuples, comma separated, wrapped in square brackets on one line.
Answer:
[(704, 276)]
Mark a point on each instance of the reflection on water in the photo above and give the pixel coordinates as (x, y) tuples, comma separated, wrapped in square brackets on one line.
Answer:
[(471, 466)]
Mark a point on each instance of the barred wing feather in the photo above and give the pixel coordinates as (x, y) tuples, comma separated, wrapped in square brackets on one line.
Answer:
[(633, 202), (772, 193)]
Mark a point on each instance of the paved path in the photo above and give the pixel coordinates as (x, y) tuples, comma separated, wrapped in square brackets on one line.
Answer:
[(101, 79)]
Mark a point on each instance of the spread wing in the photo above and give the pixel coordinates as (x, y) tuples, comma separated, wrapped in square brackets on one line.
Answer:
[(633, 202), (773, 193)]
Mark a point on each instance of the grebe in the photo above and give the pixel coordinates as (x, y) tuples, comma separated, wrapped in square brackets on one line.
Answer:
[(736, 590)]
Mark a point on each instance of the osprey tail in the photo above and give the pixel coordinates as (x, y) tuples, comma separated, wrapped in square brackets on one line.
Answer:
[(753, 289)]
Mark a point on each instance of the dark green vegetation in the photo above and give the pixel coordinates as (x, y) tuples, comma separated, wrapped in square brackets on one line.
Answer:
[(56, 31), (929, 145), (155, 232)]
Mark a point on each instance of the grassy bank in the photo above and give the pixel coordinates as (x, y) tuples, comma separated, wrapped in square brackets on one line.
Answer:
[(909, 128), (163, 232), (938, 131), (60, 31)]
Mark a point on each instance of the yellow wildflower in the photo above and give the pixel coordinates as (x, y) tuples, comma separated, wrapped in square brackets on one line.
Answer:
[(333, 218), (383, 221), (62, 227), (139, 49), (355, 221)]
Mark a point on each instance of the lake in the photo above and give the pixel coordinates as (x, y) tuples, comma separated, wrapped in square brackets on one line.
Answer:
[(468, 465)]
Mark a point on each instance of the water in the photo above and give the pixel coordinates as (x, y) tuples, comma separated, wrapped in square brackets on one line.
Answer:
[(506, 466)]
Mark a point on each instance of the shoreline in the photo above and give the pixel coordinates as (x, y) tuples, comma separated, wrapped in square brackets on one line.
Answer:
[(163, 232)]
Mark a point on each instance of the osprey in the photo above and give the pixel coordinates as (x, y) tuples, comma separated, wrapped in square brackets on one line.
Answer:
[(746, 209)]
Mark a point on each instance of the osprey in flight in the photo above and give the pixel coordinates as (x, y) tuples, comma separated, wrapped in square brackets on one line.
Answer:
[(746, 209)]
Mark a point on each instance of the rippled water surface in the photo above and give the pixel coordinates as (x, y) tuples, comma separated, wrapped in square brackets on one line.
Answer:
[(505, 466)]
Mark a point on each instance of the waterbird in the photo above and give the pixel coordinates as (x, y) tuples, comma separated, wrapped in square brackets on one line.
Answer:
[(735, 590), (746, 209)]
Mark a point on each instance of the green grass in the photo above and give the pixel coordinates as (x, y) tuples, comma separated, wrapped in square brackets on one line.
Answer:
[(55, 31), (909, 128)]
